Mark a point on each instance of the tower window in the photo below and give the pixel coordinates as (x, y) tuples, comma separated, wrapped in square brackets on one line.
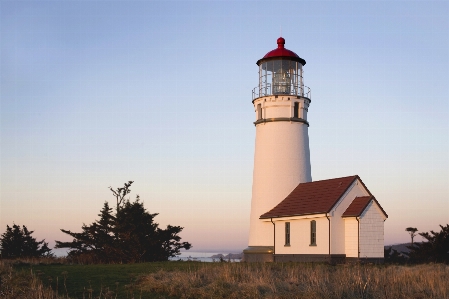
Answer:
[(259, 111), (313, 233), (296, 110), (287, 233)]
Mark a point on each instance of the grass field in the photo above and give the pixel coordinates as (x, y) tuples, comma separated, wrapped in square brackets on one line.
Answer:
[(312, 281), (242, 280), (107, 281), (22, 284)]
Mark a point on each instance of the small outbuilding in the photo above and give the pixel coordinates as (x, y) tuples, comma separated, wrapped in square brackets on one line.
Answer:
[(333, 220)]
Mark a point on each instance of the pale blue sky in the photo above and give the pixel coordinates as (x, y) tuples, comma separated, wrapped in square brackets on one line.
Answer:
[(94, 94)]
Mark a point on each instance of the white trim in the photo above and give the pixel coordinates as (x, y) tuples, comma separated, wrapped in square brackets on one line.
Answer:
[(341, 198), (374, 203), (356, 182), (287, 218)]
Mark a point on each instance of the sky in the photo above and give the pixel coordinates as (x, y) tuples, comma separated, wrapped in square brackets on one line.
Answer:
[(96, 93)]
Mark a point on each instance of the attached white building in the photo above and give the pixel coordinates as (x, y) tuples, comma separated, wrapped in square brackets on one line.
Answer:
[(331, 220), (293, 218)]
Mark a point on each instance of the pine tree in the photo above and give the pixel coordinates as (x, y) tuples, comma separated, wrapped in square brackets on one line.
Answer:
[(96, 241), (435, 250), (128, 236), (17, 242)]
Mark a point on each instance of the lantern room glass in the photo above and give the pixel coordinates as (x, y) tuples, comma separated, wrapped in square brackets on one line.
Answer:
[(280, 77)]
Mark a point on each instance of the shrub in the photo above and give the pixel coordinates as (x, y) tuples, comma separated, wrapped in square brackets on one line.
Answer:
[(129, 235), (435, 250), (17, 242)]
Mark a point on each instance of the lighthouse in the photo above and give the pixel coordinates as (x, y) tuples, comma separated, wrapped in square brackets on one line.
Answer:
[(282, 156), (292, 218)]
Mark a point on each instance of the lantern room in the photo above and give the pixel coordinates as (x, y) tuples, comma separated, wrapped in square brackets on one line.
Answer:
[(280, 73)]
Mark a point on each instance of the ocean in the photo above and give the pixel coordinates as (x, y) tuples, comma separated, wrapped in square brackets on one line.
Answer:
[(201, 256), (184, 256)]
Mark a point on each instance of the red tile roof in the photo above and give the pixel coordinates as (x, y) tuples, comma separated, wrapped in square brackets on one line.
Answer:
[(359, 205), (312, 198)]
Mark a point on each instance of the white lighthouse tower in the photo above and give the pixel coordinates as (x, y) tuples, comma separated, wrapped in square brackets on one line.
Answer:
[(282, 155)]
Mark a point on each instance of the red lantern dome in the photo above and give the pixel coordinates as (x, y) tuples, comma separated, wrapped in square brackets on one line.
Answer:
[(282, 52), (280, 73)]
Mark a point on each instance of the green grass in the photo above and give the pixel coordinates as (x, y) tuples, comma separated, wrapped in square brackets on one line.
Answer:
[(87, 281)]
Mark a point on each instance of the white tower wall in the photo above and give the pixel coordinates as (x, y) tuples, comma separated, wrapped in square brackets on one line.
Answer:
[(281, 160)]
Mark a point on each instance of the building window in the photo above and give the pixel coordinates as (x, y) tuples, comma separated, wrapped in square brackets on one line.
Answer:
[(313, 233), (287, 233), (259, 111), (296, 110)]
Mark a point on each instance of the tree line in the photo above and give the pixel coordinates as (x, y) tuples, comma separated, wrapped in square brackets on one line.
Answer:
[(435, 248), (126, 234)]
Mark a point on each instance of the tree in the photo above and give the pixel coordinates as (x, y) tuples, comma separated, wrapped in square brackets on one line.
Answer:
[(97, 240), (435, 250), (120, 194), (129, 235), (17, 242), (392, 256), (412, 231)]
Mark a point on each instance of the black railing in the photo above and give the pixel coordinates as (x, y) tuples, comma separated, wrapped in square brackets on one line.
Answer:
[(285, 85)]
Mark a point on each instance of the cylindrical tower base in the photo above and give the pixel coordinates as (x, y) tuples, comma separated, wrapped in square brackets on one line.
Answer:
[(281, 161)]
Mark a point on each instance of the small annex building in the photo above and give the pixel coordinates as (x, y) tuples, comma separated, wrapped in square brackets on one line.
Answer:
[(333, 220)]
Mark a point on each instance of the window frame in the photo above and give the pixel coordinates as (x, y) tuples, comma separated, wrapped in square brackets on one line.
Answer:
[(287, 234), (259, 111), (312, 233), (296, 110)]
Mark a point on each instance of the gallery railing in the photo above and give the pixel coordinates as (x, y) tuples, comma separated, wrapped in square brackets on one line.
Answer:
[(283, 84)]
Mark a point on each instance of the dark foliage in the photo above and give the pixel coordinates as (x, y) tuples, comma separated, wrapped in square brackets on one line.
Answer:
[(120, 194), (17, 242), (128, 236), (392, 256), (435, 250)]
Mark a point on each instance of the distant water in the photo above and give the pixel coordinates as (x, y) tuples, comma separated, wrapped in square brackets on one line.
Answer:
[(60, 252), (200, 256), (185, 255)]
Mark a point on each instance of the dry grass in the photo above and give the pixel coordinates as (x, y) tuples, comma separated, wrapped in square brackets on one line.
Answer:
[(313, 281), (22, 285), (37, 261)]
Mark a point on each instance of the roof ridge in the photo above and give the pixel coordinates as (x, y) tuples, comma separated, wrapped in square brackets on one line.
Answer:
[(344, 177), (344, 191)]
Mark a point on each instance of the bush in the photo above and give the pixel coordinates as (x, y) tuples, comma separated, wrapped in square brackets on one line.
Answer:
[(435, 250), (392, 256), (129, 235), (17, 242)]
